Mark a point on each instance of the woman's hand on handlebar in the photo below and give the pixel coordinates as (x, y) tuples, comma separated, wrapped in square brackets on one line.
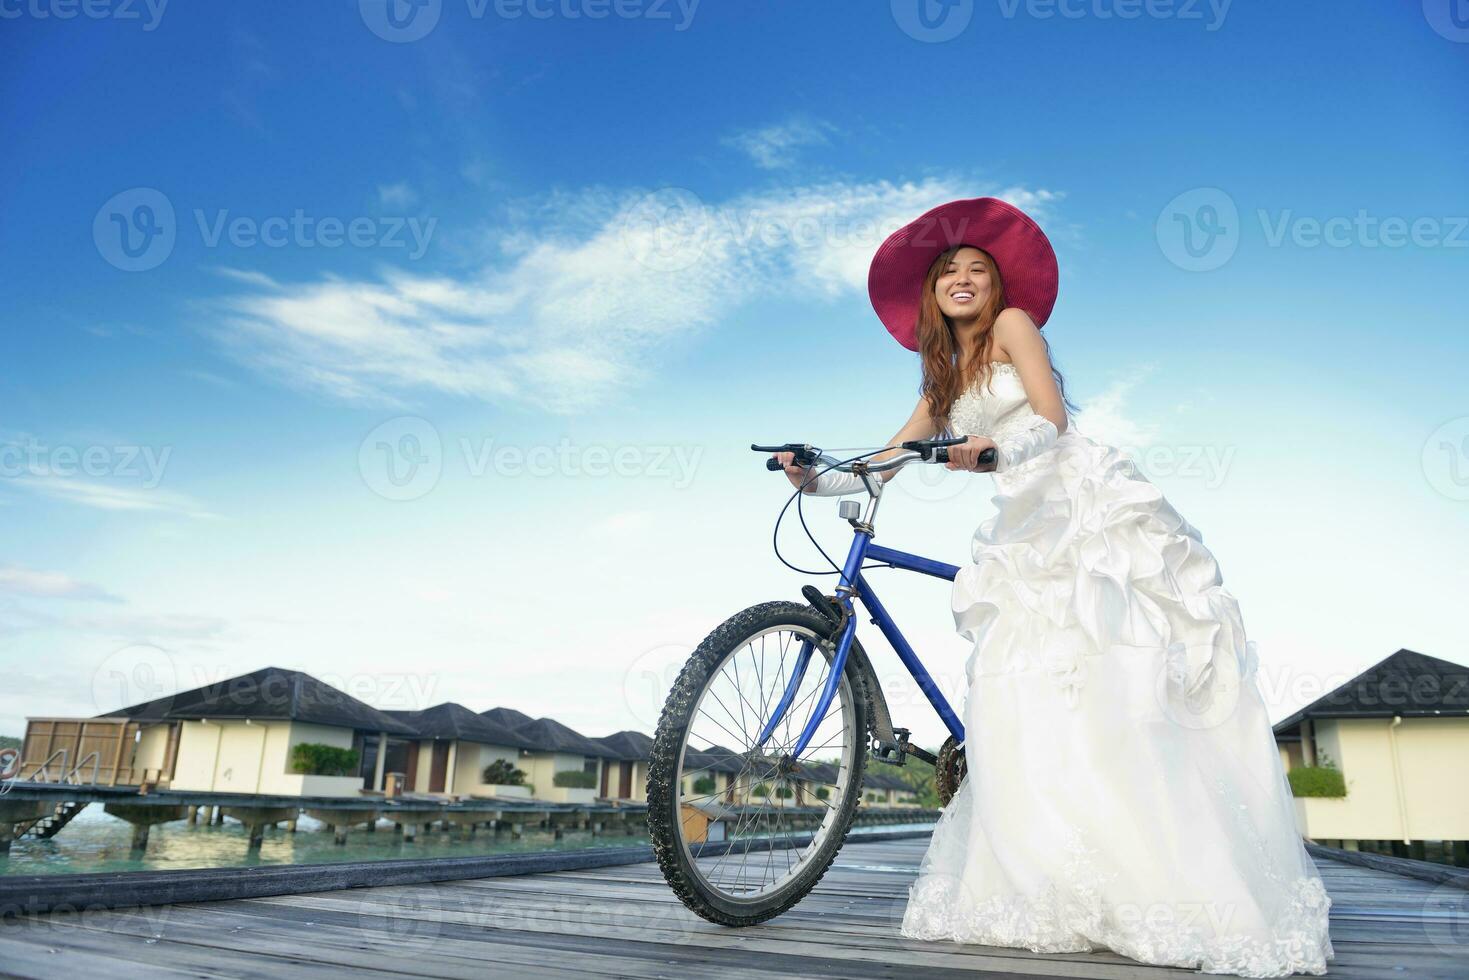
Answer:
[(965, 456), (795, 472)]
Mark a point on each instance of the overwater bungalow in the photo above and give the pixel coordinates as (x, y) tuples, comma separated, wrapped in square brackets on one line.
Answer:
[(459, 753), (1381, 758), (273, 732), (562, 765), (626, 776)]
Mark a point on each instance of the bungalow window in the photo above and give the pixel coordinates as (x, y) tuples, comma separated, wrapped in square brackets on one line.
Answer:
[(590, 766)]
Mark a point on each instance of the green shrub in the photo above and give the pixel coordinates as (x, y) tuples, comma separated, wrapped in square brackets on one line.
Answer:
[(502, 773), (575, 779), (315, 759), (784, 792), (1317, 781), (704, 784), (822, 793), (760, 790)]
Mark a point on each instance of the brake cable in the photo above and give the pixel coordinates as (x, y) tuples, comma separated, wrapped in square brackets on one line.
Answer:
[(801, 515)]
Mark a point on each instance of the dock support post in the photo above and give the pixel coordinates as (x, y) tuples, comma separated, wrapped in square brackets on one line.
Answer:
[(143, 816)]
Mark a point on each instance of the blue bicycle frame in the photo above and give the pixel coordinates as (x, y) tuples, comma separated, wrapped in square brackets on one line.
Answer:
[(853, 582)]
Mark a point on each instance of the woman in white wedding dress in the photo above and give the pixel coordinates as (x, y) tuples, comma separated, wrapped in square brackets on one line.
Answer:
[(1124, 789)]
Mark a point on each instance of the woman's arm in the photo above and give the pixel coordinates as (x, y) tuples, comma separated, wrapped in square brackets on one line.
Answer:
[(1017, 335), (920, 425)]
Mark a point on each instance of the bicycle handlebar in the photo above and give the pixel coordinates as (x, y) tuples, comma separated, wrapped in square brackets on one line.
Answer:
[(927, 450)]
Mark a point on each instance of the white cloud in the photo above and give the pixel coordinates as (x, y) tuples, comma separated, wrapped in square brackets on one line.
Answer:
[(589, 289), (775, 146), (49, 585), (106, 496), (398, 195), (1106, 420)]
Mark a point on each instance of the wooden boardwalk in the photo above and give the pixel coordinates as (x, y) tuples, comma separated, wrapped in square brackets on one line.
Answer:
[(623, 922)]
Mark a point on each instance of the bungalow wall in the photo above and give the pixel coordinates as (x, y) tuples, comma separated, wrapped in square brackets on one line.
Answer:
[(472, 759), (541, 767), (255, 758), (1404, 782)]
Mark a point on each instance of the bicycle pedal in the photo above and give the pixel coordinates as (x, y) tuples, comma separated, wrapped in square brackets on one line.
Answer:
[(891, 752)]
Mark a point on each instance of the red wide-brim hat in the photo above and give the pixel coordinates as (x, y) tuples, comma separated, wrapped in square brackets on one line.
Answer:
[(1021, 250)]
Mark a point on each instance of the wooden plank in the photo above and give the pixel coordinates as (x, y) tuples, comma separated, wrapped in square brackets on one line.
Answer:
[(622, 920)]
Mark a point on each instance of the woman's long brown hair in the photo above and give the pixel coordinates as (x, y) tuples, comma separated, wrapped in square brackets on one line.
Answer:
[(944, 378)]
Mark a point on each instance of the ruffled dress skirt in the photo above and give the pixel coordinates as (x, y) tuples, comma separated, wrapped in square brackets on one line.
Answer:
[(1124, 789)]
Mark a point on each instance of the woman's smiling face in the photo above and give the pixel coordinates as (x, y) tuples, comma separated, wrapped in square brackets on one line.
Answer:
[(964, 286)]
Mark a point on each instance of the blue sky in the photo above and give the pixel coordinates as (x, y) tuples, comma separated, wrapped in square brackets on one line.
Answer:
[(470, 245)]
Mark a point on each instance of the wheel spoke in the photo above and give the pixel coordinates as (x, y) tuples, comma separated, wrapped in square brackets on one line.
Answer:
[(734, 704)]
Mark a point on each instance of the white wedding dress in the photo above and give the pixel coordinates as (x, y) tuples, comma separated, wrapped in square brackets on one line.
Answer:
[(1124, 789)]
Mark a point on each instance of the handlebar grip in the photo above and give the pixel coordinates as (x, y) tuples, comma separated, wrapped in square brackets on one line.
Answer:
[(941, 455), (773, 464)]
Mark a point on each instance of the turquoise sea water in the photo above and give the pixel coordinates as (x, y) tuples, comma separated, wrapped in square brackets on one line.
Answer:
[(95, 841)]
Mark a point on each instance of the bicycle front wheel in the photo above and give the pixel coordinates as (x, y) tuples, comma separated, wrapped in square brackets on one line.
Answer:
[(743, 832)]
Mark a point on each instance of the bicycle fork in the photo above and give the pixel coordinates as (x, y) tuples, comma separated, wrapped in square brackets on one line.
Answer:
[(845, 591)]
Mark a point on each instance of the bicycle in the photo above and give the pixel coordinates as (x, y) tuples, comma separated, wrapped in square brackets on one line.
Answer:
[(846, 716)]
